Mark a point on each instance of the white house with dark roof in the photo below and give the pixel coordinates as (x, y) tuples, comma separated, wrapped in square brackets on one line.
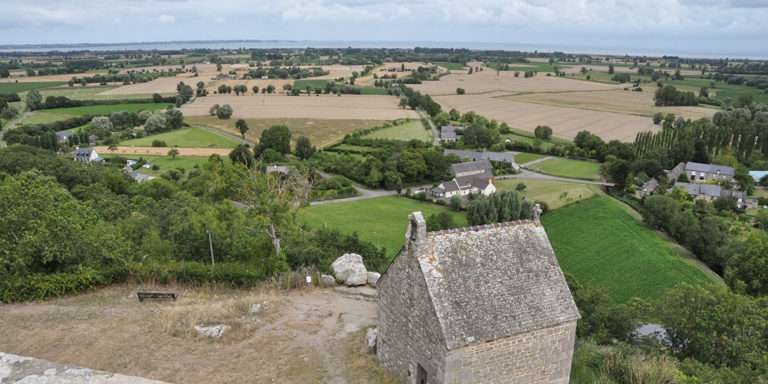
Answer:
[(86, 155), (470, 178), (701, 173), (485, 304), (498, 157)]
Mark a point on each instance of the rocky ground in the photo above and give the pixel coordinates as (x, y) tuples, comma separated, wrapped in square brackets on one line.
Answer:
[(310, 335)]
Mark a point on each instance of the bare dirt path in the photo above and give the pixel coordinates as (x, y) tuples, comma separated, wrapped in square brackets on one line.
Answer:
[(299, 336)]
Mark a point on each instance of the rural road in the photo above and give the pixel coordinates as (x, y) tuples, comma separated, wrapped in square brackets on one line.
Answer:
[(526, 174), (435, 132)]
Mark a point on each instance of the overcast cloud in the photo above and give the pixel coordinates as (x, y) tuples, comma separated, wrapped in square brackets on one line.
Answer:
[(677, 26)]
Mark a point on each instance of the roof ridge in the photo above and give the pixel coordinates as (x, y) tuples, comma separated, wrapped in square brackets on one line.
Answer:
[(482, 227)]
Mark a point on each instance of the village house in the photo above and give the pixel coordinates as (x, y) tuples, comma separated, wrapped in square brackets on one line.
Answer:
[(701, 173), (86, 155), (448, 133), (471, 178), (485, 304), (711, 192)]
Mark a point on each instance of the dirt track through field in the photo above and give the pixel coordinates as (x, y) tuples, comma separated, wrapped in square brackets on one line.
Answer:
[(363, 107), (163, 151)]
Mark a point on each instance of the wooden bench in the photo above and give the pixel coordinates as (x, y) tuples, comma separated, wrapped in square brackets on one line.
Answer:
[(156, 296)]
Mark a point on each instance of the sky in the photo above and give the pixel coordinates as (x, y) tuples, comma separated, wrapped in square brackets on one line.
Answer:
[(684, 27)]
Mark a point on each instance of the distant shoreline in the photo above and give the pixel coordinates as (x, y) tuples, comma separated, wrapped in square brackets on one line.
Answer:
[(296, 44)]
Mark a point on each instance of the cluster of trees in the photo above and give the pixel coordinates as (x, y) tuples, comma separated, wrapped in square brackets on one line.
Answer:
[(416, 100), (286, 72), (499, 207), (400, 164), (67, 216), (668, 95), (742, 132), (124, 78), (274, 145), (35, 101), (223, 112)]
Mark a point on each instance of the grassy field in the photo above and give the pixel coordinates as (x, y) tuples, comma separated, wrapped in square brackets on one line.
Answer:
[(56, 114), (555, 193), (356, 148), (22, 87), (90, 93), (381, 221), (410, 130), (320, 132), (450, 66), (602, 245), (373, 91), (524, 157), (568, 168), (194, 137), (166, 162), (304, 83)]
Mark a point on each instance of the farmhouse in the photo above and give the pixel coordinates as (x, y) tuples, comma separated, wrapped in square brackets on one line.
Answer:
[(471, 178), (701, 173), (485, 304), (448, 133), (712, 192), (87, 155), (497, 157)]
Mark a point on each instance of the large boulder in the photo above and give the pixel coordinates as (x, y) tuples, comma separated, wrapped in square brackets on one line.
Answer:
[(350, 270), (373, 278)]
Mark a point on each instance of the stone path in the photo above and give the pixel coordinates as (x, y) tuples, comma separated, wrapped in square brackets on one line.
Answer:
[(27, 370)]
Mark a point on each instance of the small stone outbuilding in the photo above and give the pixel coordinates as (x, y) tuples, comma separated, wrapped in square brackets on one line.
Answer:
[(485, 304)]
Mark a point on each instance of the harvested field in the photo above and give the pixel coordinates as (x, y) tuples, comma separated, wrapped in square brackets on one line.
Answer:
[(322, 132), (505, 81), (300, 336), (619, 101), (163, 151), (362, 107), (160, 85), (565, 122)]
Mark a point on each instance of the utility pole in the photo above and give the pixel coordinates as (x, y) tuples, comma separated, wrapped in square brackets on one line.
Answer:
[(210, 245)]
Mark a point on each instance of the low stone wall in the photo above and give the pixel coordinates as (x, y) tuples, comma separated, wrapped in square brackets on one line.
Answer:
[(20, 369)]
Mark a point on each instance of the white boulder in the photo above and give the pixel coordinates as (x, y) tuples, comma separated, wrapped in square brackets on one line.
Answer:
[(212, 331), (373, 278), (350, 270)]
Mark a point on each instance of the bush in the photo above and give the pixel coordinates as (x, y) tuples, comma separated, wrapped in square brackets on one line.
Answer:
[(159, 143), (41, 286), (195, 273), (224, 112)]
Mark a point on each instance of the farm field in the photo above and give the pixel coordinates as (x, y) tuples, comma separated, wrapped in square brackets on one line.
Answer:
[(505, 81), (321, 132), (565, 122), (555, 193), (161, 151), (623, 257), (576, 169), (314, 83), (618, 101), (91, 93), (524, 157), (450, 66), (56, 114), (410, 130), (306, 107), (381, 221), (194, 137), (165, 162), (8, 87)]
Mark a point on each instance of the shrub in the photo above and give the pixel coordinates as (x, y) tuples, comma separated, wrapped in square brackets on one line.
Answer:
[(224, 112), (41, 286), (159, 143)]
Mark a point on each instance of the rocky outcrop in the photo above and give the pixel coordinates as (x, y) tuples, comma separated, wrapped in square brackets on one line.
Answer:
[(370, 337), (20, 369), (212, 331), (327, 280), (350, 270)]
